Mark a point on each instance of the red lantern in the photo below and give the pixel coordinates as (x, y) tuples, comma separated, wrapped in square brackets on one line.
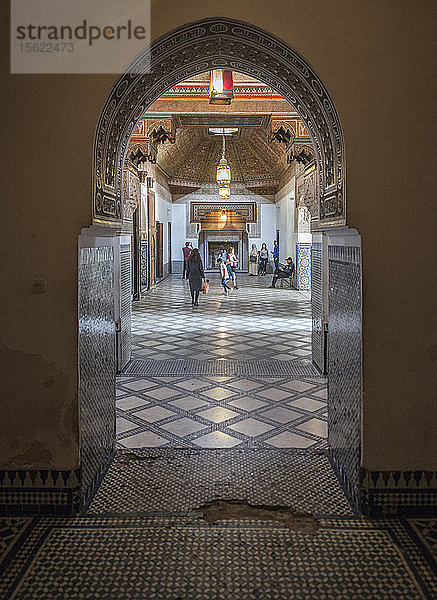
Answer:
[(221, 86)]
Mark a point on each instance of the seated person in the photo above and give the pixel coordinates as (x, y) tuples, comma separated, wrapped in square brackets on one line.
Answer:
[(283, 272)]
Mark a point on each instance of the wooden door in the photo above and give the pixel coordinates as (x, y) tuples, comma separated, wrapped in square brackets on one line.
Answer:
[(159, 249), (152, 237), (169, 246)]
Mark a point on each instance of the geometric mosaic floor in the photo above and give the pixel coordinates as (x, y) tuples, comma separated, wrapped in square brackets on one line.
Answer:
[(219, 434), (168, 558), (221, 412), (218, 411), (145, 536), (157, 481), (251, 323)]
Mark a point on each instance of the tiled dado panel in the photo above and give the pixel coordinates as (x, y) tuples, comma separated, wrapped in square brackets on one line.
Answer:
[(177, 266), (42, 491), (398, 493), (316, 304), (344, 364), (96, 362), (125, 333), (303, 266), (144, 266)]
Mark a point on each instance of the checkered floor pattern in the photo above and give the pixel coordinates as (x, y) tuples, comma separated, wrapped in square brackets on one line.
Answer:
[(250, 323), (223, 411)]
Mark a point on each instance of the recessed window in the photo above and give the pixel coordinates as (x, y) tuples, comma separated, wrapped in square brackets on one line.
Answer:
[(222, 130)]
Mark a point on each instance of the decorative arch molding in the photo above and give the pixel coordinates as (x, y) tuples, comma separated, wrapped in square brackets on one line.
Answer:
[(201, 46)]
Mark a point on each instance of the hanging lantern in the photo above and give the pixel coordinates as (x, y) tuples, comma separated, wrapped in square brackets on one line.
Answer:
[(223, 169), (224, 191), (221, 86), (223, 172)]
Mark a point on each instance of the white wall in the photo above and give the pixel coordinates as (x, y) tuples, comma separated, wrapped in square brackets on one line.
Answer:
[(179, 231), (163, 213), (285, 217), (268, 227)]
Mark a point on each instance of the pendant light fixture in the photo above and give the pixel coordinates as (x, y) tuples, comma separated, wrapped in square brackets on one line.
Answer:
[(223, 170), (224, 192)]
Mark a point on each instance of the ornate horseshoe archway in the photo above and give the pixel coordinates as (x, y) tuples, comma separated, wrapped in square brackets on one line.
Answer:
[(193, 49)]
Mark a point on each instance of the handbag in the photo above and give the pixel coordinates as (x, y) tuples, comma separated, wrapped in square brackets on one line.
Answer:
[(253, 258), (205, 287)]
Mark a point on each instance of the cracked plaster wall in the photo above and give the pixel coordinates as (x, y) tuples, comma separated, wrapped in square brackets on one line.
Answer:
[(376, 60)]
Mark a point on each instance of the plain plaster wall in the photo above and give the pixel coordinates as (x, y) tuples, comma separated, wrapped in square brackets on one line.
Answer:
[(285, 220), (178, 230), (163, 213), (377, 60)]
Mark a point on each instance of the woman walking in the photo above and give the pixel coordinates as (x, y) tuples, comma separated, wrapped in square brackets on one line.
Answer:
[(224, 275), (195, 275), (263, 259), (233, 262), (253, 260)]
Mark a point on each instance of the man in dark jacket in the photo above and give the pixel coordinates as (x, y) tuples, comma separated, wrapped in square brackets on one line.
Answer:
[(186, 251), (275, 255), (283, 272)]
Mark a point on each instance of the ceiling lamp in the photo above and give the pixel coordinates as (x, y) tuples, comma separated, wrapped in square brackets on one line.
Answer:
[(223, 216), (224, 191), (223, 170), (221, 86)]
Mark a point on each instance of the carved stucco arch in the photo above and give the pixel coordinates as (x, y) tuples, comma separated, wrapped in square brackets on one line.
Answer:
[(198, 47)]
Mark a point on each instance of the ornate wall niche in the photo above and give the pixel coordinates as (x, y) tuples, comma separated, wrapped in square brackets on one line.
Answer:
[(199, 211), (198, 47), (131, 195)]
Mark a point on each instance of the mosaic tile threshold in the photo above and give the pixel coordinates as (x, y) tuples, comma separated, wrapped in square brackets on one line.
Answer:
[(156, 481), (148, 558), (259, 368)]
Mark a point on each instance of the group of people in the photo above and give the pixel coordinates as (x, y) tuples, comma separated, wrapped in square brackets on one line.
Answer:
[(227, 263), (259, 259)]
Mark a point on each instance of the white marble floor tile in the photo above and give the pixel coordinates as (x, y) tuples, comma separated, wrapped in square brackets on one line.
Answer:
[(155, 413), (217, 414), (316, 427), (183, 427), (217, 439), (251, 427)]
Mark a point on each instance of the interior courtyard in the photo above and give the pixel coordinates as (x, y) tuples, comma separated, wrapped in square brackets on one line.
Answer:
[(270, 441)]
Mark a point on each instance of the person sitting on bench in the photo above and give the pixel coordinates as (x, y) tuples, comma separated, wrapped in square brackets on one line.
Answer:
[(284, 272)]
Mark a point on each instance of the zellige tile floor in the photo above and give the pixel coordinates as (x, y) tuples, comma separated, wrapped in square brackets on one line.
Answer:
[(252, 323)]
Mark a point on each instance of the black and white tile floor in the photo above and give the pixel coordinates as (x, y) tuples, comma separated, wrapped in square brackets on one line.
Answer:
[(251, 324), (216, 435)]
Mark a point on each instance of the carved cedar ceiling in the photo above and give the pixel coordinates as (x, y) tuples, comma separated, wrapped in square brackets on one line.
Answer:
[(196, 48), (268, 135)]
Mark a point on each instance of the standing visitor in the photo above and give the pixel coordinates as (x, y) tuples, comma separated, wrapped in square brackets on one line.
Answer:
[(253, 260), (263, 259), (286, 271), (224, 275), (233, 262), (276, 255), (195, 275), (222, 254), (186, 251)]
